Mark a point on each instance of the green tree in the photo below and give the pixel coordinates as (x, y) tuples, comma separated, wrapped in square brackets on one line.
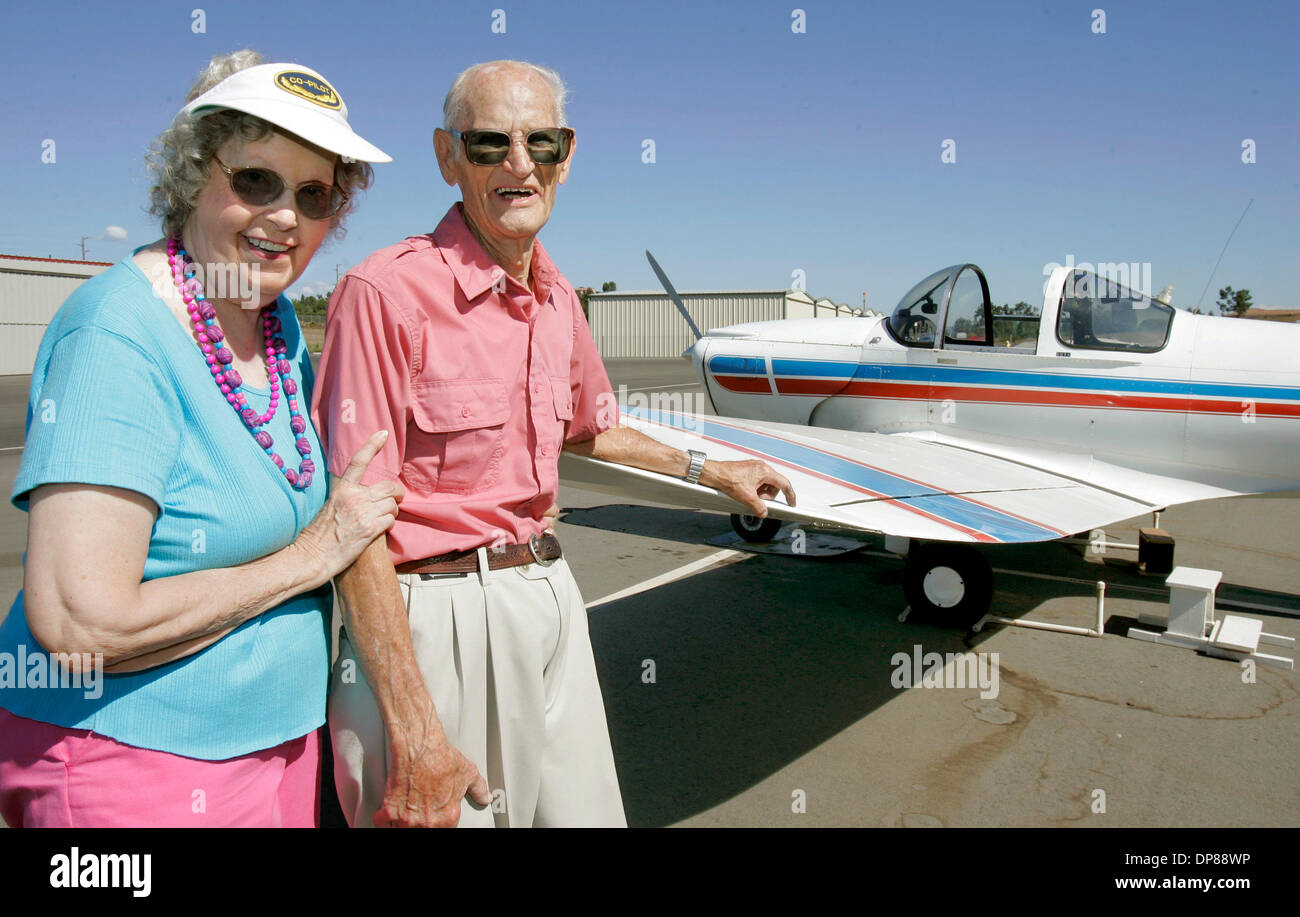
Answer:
[(1234, 302), (583, 293), (1010, 331), (608, 286), (310, 307)]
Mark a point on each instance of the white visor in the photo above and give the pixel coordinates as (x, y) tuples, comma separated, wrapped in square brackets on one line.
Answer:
[(295, 98)]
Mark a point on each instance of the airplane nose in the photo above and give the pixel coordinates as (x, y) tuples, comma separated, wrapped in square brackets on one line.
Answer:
[(695, 353)]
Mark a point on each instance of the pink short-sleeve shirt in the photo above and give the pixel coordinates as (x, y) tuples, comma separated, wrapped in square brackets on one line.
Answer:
[(479, 380)]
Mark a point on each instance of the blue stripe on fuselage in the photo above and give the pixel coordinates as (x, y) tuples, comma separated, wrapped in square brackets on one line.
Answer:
[(738, 365)]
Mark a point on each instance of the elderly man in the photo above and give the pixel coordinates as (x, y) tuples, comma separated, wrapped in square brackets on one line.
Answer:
[(465, 654)]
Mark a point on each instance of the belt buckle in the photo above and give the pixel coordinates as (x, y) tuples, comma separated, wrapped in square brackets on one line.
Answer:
[(532, 548)]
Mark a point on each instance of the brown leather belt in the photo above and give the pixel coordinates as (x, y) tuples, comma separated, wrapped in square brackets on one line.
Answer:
[(540, 549)]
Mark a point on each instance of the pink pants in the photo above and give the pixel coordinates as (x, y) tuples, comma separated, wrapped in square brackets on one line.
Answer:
[(51, 777)]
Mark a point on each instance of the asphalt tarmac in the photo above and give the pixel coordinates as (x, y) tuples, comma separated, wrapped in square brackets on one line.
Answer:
[(760, 690)]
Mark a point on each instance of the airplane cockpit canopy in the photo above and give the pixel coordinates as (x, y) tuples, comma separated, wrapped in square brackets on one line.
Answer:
[(1097, 313), (950, 309), (955, 298), (917, 313)]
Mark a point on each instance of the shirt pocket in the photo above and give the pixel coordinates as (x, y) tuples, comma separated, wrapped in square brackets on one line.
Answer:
[(563, 397), (455, 443), (562, 400)]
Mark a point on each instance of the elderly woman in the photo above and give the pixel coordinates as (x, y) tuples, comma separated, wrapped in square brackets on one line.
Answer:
[(180, 543)]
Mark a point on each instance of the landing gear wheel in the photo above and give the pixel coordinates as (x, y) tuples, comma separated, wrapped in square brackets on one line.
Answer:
[(752, 528), (948, 583)]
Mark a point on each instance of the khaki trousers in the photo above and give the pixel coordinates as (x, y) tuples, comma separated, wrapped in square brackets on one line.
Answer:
[(507, 661)]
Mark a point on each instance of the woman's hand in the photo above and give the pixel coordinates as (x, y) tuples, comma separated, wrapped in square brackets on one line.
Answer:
[(354, 516), (84, 588)]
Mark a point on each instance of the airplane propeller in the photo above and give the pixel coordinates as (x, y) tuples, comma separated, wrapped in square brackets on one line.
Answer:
[(672, 294)]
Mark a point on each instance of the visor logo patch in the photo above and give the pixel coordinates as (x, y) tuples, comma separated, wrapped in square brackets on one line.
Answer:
[(311, 88)]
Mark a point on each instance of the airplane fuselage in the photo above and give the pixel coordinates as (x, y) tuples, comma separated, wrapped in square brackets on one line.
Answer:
[(1133, 384)]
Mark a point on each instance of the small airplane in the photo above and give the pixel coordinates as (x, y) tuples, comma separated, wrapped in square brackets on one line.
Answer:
[(948, 424)]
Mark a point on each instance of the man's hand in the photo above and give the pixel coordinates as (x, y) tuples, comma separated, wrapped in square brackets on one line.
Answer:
[(427, 779), (749, 482)]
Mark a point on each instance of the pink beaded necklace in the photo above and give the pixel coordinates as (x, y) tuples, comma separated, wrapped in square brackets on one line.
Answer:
[(211, 340)]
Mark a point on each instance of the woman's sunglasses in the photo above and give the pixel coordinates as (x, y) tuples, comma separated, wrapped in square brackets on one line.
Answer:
[(546, 147), (259, 187)]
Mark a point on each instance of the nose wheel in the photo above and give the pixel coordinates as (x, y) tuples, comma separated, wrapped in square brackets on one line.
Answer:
[(948, 583), (752, 528)]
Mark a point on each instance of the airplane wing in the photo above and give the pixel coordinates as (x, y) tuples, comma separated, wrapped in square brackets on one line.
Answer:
[(886, 483)]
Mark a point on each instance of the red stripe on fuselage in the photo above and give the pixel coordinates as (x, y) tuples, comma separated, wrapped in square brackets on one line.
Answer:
[(756, 384), (1177, 404), (907, 391), (788, 386)]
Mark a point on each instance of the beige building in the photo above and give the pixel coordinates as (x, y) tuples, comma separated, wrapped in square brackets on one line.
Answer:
[(647, 325), (31, 291)]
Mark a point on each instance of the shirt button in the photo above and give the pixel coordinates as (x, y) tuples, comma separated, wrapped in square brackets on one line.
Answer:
[(464, 412)]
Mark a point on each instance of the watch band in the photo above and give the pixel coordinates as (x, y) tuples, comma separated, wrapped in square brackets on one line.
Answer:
[(697, 465)]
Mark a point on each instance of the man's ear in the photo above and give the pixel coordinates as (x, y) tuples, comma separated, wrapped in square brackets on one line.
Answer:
[(563, 173), (444, 147)]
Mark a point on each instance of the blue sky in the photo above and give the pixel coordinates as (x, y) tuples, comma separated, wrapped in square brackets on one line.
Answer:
[(774, 151)]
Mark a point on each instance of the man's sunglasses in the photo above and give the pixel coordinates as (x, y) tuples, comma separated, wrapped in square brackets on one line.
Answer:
[(259, 187), (546, 147)]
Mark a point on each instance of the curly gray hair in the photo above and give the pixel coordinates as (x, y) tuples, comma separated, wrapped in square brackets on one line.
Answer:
[(455, 108), (181, 157)]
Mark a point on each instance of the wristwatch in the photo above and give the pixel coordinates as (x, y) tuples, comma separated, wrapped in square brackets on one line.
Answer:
[(697, 465)]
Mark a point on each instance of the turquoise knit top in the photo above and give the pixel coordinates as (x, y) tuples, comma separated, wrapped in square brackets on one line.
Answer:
[(121, 396)]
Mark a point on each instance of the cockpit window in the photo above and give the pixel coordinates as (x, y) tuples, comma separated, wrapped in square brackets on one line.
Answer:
[(966, 324), (914, 318), (1099, 314)]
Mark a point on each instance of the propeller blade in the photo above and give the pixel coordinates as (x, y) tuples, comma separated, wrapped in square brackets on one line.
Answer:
[(672, 294)]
